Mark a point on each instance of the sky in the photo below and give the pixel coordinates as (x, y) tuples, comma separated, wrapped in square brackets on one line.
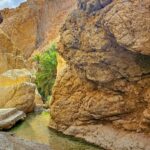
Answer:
[(10, 3)]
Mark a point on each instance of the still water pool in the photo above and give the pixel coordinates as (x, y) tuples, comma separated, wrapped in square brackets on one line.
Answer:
[(35, 128)]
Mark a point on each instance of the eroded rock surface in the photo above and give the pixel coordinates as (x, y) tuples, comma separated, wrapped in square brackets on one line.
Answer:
[(9, 117), (33, 22), (30, 27), (9, 55), (107, 77), (17, 90)]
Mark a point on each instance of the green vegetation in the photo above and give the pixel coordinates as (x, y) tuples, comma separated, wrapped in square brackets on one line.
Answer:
[(47, 69)]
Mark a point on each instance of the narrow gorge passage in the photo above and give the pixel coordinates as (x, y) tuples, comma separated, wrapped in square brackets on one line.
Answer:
[(75, 72)]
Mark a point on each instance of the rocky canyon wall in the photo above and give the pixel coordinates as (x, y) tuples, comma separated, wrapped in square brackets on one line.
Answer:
[(29, 27), (24, 30), (103, 93)]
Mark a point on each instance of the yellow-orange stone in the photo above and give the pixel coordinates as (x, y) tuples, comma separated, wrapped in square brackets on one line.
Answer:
[(17, 90)]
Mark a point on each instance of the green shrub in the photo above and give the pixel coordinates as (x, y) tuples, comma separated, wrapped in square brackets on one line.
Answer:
[(47, 70)]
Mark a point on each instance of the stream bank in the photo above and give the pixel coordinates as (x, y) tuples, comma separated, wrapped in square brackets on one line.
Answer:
[(35, 128)]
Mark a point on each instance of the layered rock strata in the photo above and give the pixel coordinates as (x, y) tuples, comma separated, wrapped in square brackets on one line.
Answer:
[(105, 86)]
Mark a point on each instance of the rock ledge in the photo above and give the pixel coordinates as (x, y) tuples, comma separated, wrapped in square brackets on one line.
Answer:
[(9, 117)]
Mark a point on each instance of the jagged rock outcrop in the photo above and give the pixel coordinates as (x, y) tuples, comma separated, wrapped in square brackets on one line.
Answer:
[(17, 90), (105, 86), (8, 141), (29, 27)]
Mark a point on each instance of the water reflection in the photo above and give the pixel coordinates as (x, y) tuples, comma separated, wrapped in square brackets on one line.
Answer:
[(35, 128)]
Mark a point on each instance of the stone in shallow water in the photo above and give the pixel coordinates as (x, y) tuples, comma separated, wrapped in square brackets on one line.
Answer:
[(9, 117)]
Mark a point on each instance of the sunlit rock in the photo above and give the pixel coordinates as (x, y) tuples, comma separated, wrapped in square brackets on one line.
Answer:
[(9, 117), (107, 77), (17, 90)]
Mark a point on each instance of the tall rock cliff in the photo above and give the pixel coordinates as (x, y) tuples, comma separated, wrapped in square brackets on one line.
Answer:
[(31, 26), (103, 93), (22, 31)]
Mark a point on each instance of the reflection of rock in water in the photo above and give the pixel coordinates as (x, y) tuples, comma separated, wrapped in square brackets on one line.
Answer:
[(35, 128)]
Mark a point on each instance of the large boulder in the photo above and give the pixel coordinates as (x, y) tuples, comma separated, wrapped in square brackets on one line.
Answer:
[(105, 85), (17, 90), (9, 117)]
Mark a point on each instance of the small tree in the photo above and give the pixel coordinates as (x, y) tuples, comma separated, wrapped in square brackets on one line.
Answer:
[(47, 70)]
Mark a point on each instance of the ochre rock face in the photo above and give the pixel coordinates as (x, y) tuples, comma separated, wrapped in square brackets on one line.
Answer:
[(106, 81), (28, 28), (17, 90), (20, 25), (29, 25), (9, 55), (23, 30)]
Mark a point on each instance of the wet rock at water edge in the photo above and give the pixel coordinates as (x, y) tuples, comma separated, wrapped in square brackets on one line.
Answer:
[(9, 117)]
